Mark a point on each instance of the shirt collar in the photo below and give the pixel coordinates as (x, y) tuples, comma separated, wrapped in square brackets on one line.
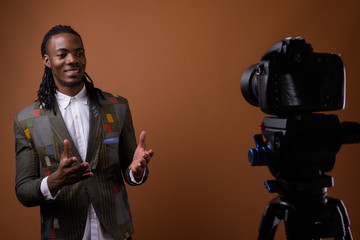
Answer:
[(63, 100)]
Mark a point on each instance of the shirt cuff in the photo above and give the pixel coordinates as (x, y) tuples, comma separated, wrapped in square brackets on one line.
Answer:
[(44, 188), (133, 179)]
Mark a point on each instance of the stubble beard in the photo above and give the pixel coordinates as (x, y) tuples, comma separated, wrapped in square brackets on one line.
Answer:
[(70, 84)]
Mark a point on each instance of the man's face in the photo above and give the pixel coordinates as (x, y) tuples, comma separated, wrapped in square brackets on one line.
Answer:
[(66, 59)]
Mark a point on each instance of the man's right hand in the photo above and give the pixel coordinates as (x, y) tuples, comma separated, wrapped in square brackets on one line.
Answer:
[(66, 174)]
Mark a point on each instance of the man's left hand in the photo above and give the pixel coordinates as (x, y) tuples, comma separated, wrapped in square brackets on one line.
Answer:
[(141, 158)]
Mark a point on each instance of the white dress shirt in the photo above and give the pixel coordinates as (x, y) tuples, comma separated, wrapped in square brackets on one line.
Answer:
[(75, 112)]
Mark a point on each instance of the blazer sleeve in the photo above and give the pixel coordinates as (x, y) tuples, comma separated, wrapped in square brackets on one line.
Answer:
[(27, 180), (127, 146)]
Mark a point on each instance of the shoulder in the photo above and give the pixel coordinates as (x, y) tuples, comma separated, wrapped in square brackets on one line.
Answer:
[(113, 103), (26, 117), (110, 98), (30, 111)]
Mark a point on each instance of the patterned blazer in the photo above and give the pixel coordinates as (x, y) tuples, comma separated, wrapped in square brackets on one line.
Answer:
[(40, 134)]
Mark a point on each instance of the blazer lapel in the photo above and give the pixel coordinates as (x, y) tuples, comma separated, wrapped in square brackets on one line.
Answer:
[(95, 134), (61, 131)]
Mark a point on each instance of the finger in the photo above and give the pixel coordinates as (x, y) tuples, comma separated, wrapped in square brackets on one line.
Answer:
[(79, 177), (141, 164), (142, 140), (150, 152), (80, 169), (88, 174), (136, 167), (68, 162), (148, 155), (66, 148)]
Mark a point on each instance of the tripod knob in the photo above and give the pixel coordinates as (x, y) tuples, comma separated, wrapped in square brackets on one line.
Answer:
[(260, 156), (270, 185)]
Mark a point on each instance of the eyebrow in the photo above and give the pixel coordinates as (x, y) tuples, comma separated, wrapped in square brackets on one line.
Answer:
[(65, 49)]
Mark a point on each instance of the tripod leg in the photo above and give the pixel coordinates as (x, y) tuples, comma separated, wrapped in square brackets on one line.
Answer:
[(315, 223), (345, 216), (297, 227), (270, 220)]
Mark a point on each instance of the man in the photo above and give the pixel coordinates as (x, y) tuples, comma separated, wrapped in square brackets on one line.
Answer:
[(74, 147)]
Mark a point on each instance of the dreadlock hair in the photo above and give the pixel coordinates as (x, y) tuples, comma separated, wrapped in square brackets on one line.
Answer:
[(47, 89)]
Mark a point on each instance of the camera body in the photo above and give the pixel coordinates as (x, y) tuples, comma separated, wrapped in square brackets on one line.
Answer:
[(292, 79)]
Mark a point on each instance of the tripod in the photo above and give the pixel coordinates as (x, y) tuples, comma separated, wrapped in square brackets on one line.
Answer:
[(306, 222), (299, 150)]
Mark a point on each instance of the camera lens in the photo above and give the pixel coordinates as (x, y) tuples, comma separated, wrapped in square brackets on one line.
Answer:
[(249, 85)]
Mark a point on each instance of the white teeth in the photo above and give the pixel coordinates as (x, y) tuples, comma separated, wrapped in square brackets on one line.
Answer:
[(74, 71)]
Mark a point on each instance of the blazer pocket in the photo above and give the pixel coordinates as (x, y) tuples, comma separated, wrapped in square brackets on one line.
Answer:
[(111, 145)]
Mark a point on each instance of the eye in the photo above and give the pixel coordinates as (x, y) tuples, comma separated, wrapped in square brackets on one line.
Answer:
[(61, 55), (80, 54)]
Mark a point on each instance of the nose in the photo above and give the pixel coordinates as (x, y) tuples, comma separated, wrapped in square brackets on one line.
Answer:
[(72, 59)]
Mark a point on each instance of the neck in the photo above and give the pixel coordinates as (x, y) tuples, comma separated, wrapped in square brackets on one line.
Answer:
[(70, 90)]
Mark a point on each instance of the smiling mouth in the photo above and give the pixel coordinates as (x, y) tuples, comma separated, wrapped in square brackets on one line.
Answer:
[(73, 71)]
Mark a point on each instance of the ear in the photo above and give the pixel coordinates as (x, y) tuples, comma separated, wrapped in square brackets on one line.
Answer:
[(46, 60)]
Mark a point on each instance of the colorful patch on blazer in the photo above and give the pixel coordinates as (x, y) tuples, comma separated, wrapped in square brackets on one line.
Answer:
[(46, 171), (111, 120), (111, 109), (27, 133), (122, 209), (114, 100), (30, 123), (95, 111), (36, 113), (107, 127), (111, 140)]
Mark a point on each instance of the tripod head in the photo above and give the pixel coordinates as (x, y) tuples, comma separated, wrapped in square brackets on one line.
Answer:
[(298, 151)]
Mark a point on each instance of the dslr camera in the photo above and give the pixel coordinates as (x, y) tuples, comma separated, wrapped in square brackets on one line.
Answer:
[(292, 79)]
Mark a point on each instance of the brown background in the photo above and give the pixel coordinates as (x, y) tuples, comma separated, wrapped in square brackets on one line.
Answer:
[(179, 63)]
